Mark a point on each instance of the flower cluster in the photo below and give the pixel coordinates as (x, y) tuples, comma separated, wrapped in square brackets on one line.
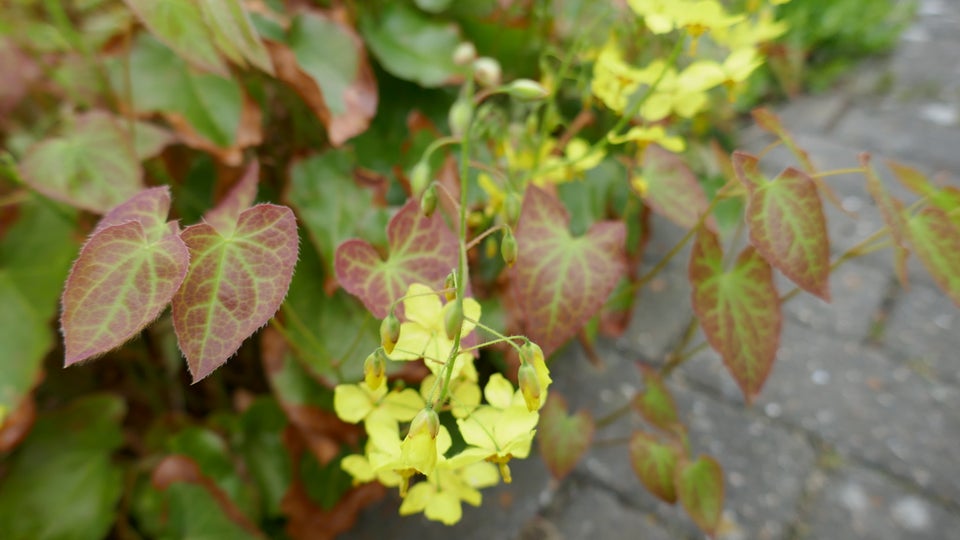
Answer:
[(409, 440)]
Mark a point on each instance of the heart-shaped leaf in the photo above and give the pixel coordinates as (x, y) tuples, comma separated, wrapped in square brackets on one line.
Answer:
[(179, 24), (700, 490), (671, 188), (67, 453), (411, 45), (655, 403), (234, 33), (562, 281), (891, 209), (339, 88), (235, 284), (787, 225), (421, 250), (739, 310), (563, 438), (936, 241), (126, 274), (91, 166), (655, 464)]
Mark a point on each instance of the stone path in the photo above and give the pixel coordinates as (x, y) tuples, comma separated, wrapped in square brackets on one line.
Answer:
[(857, 433)]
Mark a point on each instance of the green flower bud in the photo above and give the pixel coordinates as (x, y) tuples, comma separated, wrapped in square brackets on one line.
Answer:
[(452, 318), (389, 332), (486, 71), (450, 286), (508, 248), (529, 386), (426, 421), (511, 207), (531, 353), (527, 90), (464, 53), (428, 203), (459, 117), (375, 370), (419, 177)]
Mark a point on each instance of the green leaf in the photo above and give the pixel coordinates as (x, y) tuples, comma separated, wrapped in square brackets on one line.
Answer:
[(179, 24), (700, 490), (936, 241), (911, 178), (91, 166), (739, 310), (208, 111), (421, 250), (655, 403), (655, 464), (340, 88), (562, 281), (65, 463), (267, 460), (234, 33), (328, 201), (126, 274), (787, 225), (410, 45), (563, 439), (433, 6), (235, 284), (672, 190), (891, 209)]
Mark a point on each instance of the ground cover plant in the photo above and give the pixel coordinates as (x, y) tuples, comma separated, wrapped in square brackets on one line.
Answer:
[(299, 253)]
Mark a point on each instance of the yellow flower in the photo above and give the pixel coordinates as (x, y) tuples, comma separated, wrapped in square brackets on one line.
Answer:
[(495, 194), (531, 353), (682, 94), (423, 334), (439, 497), (644, 136), (502, 430), (696, 17), (750, 33), (614, 81), (419, 451), (464, 392), (355, 402)]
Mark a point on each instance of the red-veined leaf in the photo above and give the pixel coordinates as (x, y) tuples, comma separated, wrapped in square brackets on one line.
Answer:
[(91, 166), (179, 24), (563, 438), (224, 216), (655, 403), (126, 274), (234, 34), (235, 284), (787, 224), (655, 464), (562, 281), (936, 241), (671, 188), (891, 209), (421, 250), (739, 310), (700, 490)]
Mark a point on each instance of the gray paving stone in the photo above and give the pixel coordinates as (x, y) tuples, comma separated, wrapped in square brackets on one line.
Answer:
[(856, 503), (585, 512), (872, 408), (504, 511), (765, 464), (661, 313), (924, 328), (900, 134)]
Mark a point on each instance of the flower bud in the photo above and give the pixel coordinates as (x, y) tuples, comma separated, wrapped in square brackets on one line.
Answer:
[(486, 71), (527, 90), (452, 318), (389, 332), (531, 353), (459, 117), (419, 177), (375, 370), (529, 386), (428, 202), (426, 421), (450, 286), (419, 448), (508, 248), (464, 53), (511, 207)]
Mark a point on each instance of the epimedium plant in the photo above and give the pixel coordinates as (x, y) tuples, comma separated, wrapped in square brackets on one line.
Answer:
[(453, 221)]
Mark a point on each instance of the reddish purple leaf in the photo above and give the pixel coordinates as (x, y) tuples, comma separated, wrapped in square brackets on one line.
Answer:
[(421, 250), (224, 217), (235, 284), (655, 403), (672, 190), (562, 281), (655, 464), (126, 274), (891, 209), (700, 490), (564, 438), (739, 310), (787, 225)]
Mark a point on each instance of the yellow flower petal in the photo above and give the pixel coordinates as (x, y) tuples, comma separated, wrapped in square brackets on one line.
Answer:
[(499, 391)]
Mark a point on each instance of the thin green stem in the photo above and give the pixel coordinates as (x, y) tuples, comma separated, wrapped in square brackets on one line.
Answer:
[(837, 172), (614, 415), (473, 243)]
